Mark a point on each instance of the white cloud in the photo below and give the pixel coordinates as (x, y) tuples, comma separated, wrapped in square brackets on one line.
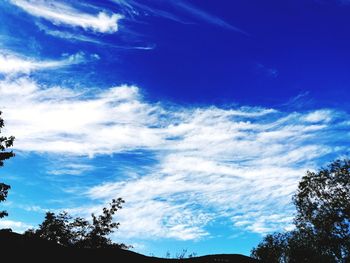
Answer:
[(74, 36), (58, 120), (183, 192), (59, 13), (33, 208), (16, 226), (71, 169), (320, 116), (242, 163), (12, 63)]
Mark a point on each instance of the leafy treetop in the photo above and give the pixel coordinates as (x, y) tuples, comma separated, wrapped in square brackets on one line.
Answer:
[(5, 142), (322, 232), (79, 232)]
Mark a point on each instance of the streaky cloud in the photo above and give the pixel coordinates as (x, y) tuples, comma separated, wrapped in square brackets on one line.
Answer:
[(11, 63), (205, 16), (242, 163), (133, 8), (300, 101), (268, 71), (68, 35), (70, 169), (76, 37), (63, 14)]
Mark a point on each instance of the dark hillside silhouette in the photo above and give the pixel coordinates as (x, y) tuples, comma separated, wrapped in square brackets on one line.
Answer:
[(77, 239), (34, 249)]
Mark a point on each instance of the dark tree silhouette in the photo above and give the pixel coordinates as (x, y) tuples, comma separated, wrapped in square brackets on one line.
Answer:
[(56, 228), (5, 142), (272, 248), (289, 247), (79, 232), (322, 232), (103, 225), (323, 209)]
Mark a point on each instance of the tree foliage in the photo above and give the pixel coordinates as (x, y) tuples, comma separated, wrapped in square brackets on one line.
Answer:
[(322, 221), (79, 232), (5, 142), (55, 228), (289, 247), (271, 249)]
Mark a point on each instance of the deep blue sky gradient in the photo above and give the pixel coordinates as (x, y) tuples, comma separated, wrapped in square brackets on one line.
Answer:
[(305, 44), (286, 55)]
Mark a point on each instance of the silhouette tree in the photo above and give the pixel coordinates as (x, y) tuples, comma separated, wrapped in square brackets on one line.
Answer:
[(103, 225), (322, 221), (79, 232), (272, 248), (56, 228), (5, 142), (323, 209), (289, 247)]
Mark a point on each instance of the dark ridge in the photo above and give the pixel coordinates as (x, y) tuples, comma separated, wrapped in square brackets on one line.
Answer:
[(15, 247)]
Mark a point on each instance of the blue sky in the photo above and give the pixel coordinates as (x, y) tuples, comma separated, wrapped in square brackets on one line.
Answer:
[(202, 115)]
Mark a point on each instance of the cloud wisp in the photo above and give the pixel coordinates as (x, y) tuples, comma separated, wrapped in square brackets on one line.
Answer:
[(240, 163), (71, 169), (63, 14), (184, 13), (12, 63), (205, 16), (132, 9)]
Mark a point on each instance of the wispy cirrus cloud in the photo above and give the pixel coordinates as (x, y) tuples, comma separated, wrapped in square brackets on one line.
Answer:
[(242, 164), (70, 36), (133, 9), (74, 37), (184, 13), (207, 17), (268, 71), (70, 169), (11, 63), (60, 13)]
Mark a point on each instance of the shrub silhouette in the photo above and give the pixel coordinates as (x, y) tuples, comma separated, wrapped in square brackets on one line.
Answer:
[(5, 142), (322, 221), (79, 232)]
